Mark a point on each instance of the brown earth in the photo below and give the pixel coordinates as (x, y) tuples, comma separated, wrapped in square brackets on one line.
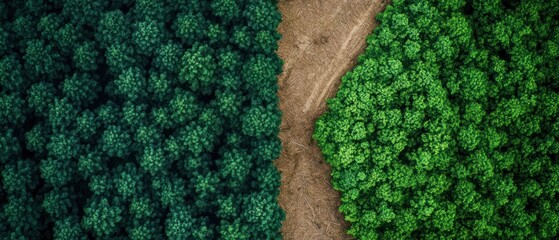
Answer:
[(321, 41)]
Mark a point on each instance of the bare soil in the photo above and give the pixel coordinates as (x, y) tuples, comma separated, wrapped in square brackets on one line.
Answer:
[(321, 42)]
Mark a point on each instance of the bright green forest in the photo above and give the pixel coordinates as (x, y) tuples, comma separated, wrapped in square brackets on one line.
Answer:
[(146, 119), (448, 126)]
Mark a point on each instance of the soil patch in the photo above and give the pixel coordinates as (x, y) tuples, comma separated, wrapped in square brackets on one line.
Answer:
[(321, 42)]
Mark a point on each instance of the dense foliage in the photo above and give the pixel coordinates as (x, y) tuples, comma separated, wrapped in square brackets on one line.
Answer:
[(143, 119), (448, 126)]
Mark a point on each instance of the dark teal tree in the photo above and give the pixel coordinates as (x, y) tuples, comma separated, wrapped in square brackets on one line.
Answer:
[(41, 60), (40, 97), (131, 84), (119, 57), (168, 57), (102, 217), (11, 78), (190, 27), (227, 10), (115, 141), (198, 68), (147, 36), (81, 89), (69, 228), (113, 27), (86, 57), (179, 223)]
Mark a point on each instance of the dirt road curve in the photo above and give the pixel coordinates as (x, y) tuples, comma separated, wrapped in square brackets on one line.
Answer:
[(321, 41)]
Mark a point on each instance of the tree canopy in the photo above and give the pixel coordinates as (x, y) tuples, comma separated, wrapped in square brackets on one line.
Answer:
[(448, 125), (139, 119)]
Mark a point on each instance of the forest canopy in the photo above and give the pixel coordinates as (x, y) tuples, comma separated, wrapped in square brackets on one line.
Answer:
[(140, 119), (448, 126)]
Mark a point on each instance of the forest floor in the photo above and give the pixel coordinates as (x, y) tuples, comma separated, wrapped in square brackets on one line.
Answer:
[(321, 42)]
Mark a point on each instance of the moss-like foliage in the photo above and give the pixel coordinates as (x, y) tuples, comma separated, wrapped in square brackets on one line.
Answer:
[(448, 126), (139, 119)]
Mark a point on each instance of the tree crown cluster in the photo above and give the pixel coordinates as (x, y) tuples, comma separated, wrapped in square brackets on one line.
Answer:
[(448, 126), (143, 119)]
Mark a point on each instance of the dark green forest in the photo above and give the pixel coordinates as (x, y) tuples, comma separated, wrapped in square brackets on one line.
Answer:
[(448, 126), (141, 119)]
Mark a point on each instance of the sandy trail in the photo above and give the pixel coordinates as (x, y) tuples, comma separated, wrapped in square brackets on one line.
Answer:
[(321, 41)]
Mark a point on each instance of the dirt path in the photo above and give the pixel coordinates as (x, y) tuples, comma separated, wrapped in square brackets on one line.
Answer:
[(321, 41)]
